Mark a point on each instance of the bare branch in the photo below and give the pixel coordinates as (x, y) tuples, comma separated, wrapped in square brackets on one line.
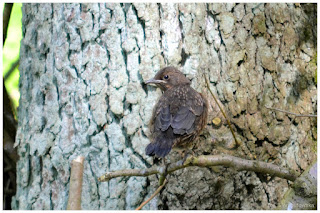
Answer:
[(292, 113), (74, 202), (153, 195), (207, 161)]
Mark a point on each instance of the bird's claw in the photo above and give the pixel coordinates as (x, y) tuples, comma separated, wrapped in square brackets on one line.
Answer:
[(185, 157), (180, 162)]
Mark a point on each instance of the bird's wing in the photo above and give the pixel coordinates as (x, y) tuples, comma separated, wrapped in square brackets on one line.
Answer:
[(181, 116), (163, 118), (183, 120)]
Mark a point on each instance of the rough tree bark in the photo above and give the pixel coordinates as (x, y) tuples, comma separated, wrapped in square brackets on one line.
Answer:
[(82, 69)]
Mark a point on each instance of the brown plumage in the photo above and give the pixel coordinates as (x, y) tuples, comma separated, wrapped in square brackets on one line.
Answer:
[(179, 116)]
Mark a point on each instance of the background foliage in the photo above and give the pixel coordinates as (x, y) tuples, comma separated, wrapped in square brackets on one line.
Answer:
[(11, 50)]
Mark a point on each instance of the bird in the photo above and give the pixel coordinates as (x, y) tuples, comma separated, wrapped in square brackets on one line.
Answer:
[(178, 117)]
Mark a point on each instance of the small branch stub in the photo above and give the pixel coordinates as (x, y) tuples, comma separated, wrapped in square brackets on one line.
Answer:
[(75, 190)]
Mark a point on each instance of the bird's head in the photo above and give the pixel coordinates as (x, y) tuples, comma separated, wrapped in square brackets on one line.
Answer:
[(167, 78)]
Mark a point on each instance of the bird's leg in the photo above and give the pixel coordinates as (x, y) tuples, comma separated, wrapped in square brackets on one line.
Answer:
[(185, 154), (163, 172), (181, 153)]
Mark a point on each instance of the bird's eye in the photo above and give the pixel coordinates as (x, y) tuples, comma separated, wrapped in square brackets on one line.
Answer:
[(165, 77)]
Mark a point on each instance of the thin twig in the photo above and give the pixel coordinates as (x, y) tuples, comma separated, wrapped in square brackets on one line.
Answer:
[(224, 115), (153, 195), (228, 122), (208, 161), (292, 113), (162, 178)]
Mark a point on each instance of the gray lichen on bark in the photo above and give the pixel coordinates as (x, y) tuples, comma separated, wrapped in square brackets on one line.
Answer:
[(82, 68)]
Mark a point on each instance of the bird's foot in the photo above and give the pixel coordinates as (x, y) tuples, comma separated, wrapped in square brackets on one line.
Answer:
[(185, 156), (163, 172)]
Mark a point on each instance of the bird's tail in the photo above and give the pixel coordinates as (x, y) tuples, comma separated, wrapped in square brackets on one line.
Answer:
[(160, 147)]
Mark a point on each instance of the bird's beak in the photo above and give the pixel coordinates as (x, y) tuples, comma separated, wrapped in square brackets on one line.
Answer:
[(154, 81)]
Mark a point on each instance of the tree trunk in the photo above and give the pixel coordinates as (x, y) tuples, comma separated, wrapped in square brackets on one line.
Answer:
[(82, 69)]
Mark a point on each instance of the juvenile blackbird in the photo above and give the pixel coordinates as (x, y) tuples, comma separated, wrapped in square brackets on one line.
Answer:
[(179, 116)]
